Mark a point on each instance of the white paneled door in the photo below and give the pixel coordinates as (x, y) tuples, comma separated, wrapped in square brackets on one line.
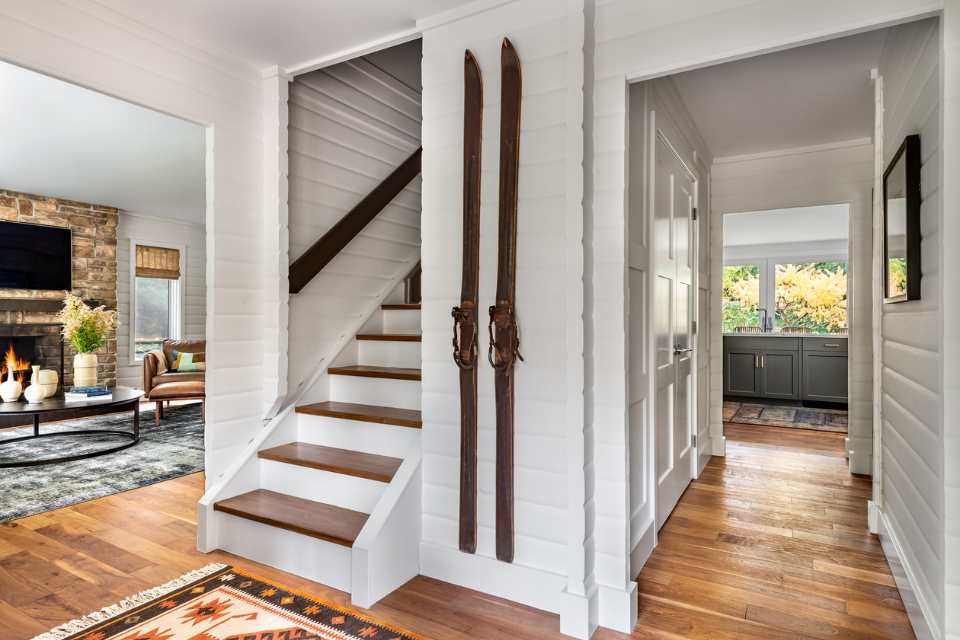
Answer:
[(674, 246)]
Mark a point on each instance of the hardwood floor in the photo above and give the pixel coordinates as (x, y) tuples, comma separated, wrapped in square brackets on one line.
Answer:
[(768, 543)]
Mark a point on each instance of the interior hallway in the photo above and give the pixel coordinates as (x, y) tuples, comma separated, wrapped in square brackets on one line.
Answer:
[(769, 543)]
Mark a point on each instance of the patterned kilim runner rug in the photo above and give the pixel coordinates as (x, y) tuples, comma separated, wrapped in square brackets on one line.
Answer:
[(219, 602), (768, 415)]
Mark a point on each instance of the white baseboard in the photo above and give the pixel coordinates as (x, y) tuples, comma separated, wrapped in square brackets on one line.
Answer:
[(643, 548), (925, 625), (532, 587), (619, 608), (719, 445), (873, 517), (579, 616)]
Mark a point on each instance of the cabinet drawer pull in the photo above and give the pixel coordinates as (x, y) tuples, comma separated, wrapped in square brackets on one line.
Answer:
[(832, 345)]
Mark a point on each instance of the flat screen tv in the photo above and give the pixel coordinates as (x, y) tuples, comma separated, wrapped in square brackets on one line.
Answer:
[(33, 256)]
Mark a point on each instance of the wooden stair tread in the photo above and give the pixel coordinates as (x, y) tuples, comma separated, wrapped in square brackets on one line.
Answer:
[(308, 517), (391, 337), (345, 461), (367, 371), (401, 307), (364, 413)]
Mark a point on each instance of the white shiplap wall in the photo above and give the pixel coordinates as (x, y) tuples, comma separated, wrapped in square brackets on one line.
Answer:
[(828, 174), (101, 49), (190, 238), (550, 488), (950, 199), (912, 423), (350, 126)]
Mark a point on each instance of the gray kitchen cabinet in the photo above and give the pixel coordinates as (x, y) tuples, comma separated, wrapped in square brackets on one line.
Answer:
[(783, 367), (780, 374), (741, 375), (824, 370)]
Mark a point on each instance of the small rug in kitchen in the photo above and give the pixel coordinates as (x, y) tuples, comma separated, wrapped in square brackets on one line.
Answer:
[(770, 415), (219, 602)]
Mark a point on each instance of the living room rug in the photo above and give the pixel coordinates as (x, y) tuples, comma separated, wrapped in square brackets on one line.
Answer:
[(833, 420), (173, 449), (219, 602)]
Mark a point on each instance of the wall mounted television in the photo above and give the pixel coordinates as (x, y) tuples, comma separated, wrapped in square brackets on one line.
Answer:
[(34, 256)]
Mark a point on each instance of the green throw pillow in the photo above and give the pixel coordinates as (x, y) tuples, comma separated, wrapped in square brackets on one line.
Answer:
[(184, 362)]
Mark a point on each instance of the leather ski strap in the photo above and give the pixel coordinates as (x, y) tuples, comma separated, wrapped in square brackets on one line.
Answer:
[(465, 320), (504, 336)]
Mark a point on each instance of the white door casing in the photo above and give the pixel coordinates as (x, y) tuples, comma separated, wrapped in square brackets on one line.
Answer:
[(674, 310)]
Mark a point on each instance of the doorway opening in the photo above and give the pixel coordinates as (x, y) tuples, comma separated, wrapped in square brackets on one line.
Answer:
[(776, 414), (122, 398), (784, 313)]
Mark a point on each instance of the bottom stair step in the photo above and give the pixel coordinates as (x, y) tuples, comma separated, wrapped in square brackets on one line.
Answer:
[(308, 517)]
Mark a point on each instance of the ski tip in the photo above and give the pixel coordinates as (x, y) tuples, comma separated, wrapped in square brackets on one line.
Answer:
[(468, 56), (507, 44)]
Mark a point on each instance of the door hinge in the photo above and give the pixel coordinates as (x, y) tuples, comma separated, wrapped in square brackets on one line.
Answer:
[(694, 213), (693, 329), (693, 439)]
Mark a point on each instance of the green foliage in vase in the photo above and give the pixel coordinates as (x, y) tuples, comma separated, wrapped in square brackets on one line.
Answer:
[(85, 328)]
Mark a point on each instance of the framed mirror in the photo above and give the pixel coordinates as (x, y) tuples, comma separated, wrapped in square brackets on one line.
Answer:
[(901, 224)]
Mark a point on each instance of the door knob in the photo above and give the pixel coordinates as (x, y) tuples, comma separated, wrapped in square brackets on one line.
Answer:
[(678, 349)]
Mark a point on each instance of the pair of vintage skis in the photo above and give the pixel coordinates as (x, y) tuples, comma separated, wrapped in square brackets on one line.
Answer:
[(504, 337)]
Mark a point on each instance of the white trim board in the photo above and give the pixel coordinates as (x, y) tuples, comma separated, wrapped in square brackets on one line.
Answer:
[(921, 619)]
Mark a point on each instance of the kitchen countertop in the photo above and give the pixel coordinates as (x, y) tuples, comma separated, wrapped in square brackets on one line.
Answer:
[(777, 334)]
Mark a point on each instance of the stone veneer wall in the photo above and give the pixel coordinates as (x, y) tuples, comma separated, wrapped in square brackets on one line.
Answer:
[(94, 267)]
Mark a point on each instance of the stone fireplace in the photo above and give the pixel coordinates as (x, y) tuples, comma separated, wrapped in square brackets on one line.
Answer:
[(32, 314)]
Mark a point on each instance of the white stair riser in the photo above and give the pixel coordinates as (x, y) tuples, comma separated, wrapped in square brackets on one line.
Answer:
[(383, 353), (340, 490), (401, 321), (310, 558), (368, 437), (383, 392)]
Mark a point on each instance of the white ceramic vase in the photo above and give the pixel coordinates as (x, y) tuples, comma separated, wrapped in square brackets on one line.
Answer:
[(85, 370), (11, 389), (49, 381), (34, 393)]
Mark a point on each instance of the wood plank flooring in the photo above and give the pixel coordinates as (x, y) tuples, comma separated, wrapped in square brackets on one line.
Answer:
[(769, 543)]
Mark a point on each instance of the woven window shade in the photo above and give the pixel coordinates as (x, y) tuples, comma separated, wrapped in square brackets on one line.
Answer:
[(158, 262)]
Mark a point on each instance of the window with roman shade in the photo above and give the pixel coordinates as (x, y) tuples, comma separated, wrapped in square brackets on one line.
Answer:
[(158, 262), (156, 308)]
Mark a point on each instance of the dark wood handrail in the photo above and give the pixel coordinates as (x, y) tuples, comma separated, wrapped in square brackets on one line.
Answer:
[(333, 241)]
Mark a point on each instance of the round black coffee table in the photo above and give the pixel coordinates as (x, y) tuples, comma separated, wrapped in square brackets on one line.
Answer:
[(56, 408)]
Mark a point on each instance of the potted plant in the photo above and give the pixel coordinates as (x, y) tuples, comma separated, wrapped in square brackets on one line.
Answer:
[(87, 330)]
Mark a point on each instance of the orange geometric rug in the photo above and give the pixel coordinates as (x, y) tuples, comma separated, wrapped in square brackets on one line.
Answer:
[(219, 602)]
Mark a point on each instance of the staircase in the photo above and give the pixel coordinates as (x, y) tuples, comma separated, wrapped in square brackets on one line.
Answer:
[(338, 493)]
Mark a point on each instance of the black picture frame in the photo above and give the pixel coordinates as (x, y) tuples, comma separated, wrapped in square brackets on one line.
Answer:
[(905, 160)]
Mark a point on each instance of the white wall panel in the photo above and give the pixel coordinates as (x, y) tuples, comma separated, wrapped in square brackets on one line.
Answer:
[(351, 125), (549, 457), (190, 238), (911, 335)]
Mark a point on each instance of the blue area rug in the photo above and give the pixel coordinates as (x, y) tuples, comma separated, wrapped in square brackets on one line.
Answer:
[(172, 450)]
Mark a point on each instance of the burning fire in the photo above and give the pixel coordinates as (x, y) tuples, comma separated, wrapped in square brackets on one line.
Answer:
[(11, 362)]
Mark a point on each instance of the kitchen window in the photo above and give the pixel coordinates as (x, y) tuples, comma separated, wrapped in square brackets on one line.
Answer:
[(808, 295), (156, 305)]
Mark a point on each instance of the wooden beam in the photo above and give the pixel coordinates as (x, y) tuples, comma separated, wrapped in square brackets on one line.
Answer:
[(333, 241)]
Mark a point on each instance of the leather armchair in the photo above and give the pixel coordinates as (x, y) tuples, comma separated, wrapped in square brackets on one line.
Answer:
[(161, 384)]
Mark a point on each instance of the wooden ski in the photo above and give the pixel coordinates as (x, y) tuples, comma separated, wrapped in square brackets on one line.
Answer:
[(465, 317), (504, 336)]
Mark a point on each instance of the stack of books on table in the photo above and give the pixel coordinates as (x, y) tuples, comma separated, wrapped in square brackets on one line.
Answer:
[(87, 393)]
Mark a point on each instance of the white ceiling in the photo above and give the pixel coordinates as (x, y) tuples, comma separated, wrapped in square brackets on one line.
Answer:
[(799, 97), (64, 141), (781, 226), (287, 33)]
